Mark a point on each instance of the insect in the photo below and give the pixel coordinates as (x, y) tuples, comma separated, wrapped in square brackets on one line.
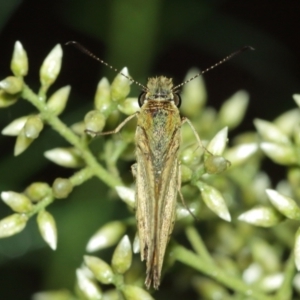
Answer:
[(157, 169)]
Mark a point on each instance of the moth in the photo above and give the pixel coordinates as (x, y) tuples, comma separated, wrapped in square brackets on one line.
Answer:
[(157, 170)]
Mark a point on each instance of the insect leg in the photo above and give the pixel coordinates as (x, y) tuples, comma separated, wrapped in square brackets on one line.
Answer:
[(183, 120), (120, 126)]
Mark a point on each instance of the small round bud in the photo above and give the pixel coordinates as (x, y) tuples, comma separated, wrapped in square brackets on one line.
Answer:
[(122, 257), (94, 121), (11, 85), (215, 164), (37, 191), (19, 62), (62, 187), (186, 173), (33, 127)]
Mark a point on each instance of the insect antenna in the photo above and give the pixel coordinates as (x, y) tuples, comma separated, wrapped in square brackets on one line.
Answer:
[(92, 55), (230, 56)]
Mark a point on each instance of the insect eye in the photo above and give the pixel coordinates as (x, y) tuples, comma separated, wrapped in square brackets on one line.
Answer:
[(177, 100), (141, 99)]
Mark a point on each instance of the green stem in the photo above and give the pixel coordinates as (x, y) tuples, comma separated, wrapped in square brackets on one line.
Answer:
[(198, 245), (191, 259), (284, 293), (73, 139)]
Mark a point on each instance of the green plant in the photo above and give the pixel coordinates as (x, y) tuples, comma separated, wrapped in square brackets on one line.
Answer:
[(230, 259)]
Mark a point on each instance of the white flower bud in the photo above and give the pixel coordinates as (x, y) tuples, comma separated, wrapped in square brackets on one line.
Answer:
[(286, 205), (122, 257), (12, 224), (131, 292), (106, 236), (127, 195), (11, 85), (58, 101), (218, 143), (66, 157), (47, 227), (233, 110), (19, 62), (15, 127), (89, 289), (17, 202), (261, 216), (51, 66), (270, 132), (129, 106), (100, 269), (214, 200), (120, 87), (193, 94)]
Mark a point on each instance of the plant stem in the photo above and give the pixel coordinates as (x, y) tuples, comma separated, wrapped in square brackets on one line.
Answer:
[(73, 139), (191, 259), (284, 293), (198, 245)]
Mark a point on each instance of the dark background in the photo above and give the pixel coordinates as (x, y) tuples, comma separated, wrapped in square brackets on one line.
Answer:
[(151, 37)]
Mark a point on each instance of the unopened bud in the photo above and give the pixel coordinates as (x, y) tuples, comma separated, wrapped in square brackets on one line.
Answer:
[(12, 224), (37, 191), (108, 235), (11, 85), (94, 121), (19, 62), (195, 94), (261, 216), (33, 127), (120, 87), (233, 110), (47, 227), (132, 292), (17, 202), (51, 66), (22, 143), (100, 269), (129, 106), (122, 257), (214, 200), (62, 187), (57, 102)]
